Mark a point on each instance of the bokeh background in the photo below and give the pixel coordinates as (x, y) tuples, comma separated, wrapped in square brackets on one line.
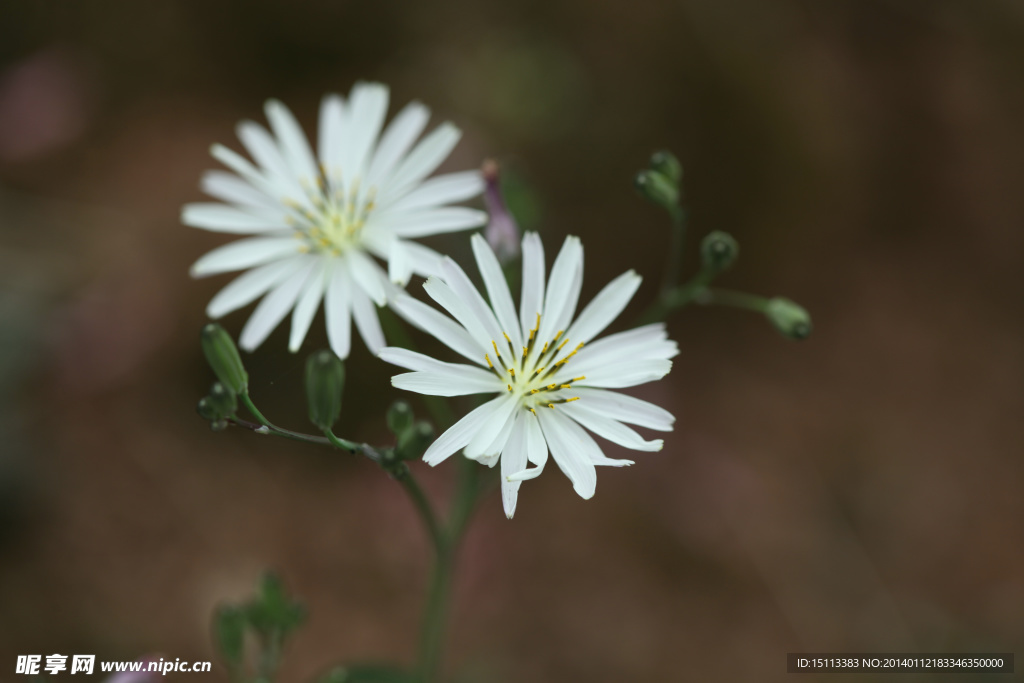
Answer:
[(858, 491)]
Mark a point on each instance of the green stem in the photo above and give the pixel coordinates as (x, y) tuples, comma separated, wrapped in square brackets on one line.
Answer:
[(712, 296), (435, 615), (423, 507), (677, 243), (251, 407), (277, 431)]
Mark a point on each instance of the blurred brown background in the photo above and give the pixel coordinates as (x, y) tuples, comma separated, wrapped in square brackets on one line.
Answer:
[(859, 491)]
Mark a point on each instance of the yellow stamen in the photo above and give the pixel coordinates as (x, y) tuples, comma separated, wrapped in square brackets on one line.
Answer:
[(562, 345), (566, 386), (551, 386), (512, 371), (574, 398), (487, 357), (551, 405), (509, 387), (507, 338), (532, 411)]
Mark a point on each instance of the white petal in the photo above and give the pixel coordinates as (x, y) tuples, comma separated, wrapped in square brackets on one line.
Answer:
[(223, 218), (309, 302), (497, 289), (536, 446), (627, 374), (513, 461), (564, 272), (425, 222), (425, 261), (367, 275), (251, 285), (607, 428), (274, 307), (338, 310), (263, 148), (229, 187), (461, 433), (245, 253), (400, 262), (331, 132), (489, 432), (464, 288), (446, 383), (421, 162), (367, 321), (413, 360), (440, 190), (439, 291), (368, 105), (643, 343), (624, 408), (570, 452), (242, 167), (604, 308), (292, 141), (590, 447), (396, 140), (532, 300), (439, 326)]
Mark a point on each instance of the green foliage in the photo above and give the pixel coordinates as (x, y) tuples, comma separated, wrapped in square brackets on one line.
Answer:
[(271, 616)]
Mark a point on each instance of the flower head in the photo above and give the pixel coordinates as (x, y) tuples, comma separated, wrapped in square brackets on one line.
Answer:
[(552, 383), (317, 221)]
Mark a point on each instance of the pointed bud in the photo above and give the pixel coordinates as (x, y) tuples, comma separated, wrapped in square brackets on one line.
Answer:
[(414, 441), (325, 381), (718, 250), (222, 355), (222, 400), (502, 232), (658, 189), (665, 163), (789, 318), (399, 417)]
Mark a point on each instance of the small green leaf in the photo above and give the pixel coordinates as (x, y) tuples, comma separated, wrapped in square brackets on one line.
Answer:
[(229, 624)]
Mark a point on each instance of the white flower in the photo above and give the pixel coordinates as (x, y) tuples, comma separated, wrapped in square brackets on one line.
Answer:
[(317, 220), (552, 382)]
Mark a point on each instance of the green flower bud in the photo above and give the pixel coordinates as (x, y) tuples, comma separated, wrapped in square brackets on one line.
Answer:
[(718, 250), (222, 355), (414, 441), (658, 189), (665, 163), (399, 417), (325, 381), (789, 318), (206, 410), (222, 400)]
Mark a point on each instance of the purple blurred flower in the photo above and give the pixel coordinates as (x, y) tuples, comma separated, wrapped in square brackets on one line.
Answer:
[(502, 233)]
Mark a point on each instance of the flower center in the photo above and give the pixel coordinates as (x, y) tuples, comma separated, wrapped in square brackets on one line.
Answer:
[(333, 218), (529, 374)]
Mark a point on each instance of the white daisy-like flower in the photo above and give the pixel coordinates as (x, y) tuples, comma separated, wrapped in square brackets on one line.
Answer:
[(552, 383), (316, 221)]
